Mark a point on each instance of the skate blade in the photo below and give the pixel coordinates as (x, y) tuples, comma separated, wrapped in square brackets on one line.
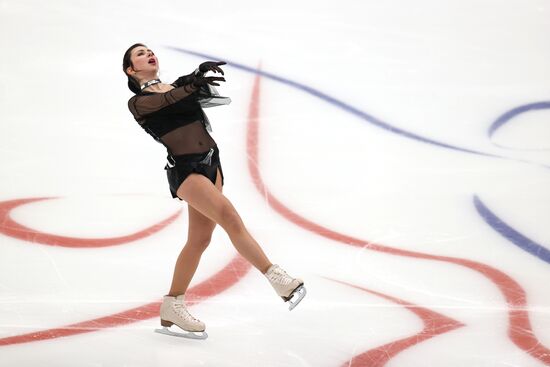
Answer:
[(296, 297), (200, 335)]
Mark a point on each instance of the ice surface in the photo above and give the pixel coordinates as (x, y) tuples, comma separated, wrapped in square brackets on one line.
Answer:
[(422, 236)]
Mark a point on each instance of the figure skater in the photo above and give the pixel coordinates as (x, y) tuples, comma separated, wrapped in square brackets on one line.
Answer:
[(172, 114)]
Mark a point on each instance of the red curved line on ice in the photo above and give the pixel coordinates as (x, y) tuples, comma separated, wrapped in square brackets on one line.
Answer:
[(434, 324), (519, 328), (11, 228), (219, 282)]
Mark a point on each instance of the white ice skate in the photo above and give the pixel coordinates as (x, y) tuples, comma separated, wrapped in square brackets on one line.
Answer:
[(290, 289), (174, 312)]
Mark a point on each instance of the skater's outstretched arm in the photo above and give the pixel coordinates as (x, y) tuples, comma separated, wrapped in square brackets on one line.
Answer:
[(144, 104)]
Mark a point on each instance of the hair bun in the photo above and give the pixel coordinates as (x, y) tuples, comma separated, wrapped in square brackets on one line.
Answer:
[(132, 85)]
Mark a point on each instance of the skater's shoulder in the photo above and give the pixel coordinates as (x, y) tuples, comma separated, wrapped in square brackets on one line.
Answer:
[(133, 100)]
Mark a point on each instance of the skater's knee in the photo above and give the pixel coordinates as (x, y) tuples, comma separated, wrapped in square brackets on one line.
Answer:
[(230, 219), (199, 243)]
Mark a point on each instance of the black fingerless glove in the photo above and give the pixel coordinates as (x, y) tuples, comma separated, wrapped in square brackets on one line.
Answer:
[(209, 66), (199, 81)]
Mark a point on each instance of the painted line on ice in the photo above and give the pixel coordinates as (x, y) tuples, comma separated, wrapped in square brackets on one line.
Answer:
[(11, 228), (507, 116), (511, 234), (434, 324)]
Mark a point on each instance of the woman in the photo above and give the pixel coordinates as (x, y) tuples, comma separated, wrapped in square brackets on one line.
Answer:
[(173, 115)]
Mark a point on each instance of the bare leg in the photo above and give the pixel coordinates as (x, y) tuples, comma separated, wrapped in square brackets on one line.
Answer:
[(199, 193), (198, 238)]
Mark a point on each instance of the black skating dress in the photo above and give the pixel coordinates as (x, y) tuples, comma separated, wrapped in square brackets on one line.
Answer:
[(176, 120)]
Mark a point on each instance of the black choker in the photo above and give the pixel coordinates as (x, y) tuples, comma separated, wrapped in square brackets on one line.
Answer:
[(150, 83)]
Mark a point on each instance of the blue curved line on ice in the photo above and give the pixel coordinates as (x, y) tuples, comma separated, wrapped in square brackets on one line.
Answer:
[(504, 118), (346, 107), (505, 230)]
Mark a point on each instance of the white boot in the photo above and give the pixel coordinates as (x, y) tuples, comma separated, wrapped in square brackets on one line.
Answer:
[(174, 312), (286, 286)]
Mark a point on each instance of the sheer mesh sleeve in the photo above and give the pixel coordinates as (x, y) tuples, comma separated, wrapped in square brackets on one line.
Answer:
[(183, 80), (143, 105), (207, 95)]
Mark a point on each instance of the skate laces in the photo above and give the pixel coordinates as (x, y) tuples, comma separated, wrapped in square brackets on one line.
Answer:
[(182, 311), (280, 276)]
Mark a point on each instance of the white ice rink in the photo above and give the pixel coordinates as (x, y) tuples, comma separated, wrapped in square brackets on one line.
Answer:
[(393, 154)]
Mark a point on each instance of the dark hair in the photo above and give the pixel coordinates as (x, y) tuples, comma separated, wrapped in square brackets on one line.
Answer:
[(126, 62)]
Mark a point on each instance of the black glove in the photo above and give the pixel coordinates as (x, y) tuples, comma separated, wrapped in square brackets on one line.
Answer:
[(211, 66), (199, 81)]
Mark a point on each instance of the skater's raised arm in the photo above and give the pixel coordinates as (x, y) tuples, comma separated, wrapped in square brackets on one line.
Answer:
[(142, 105), (183, 80)]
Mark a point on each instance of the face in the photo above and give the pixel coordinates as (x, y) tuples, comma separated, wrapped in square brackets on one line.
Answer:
[(144, 62)]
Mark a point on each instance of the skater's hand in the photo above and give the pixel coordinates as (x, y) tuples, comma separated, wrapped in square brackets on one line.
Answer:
[(211, 66), (199, 81)]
